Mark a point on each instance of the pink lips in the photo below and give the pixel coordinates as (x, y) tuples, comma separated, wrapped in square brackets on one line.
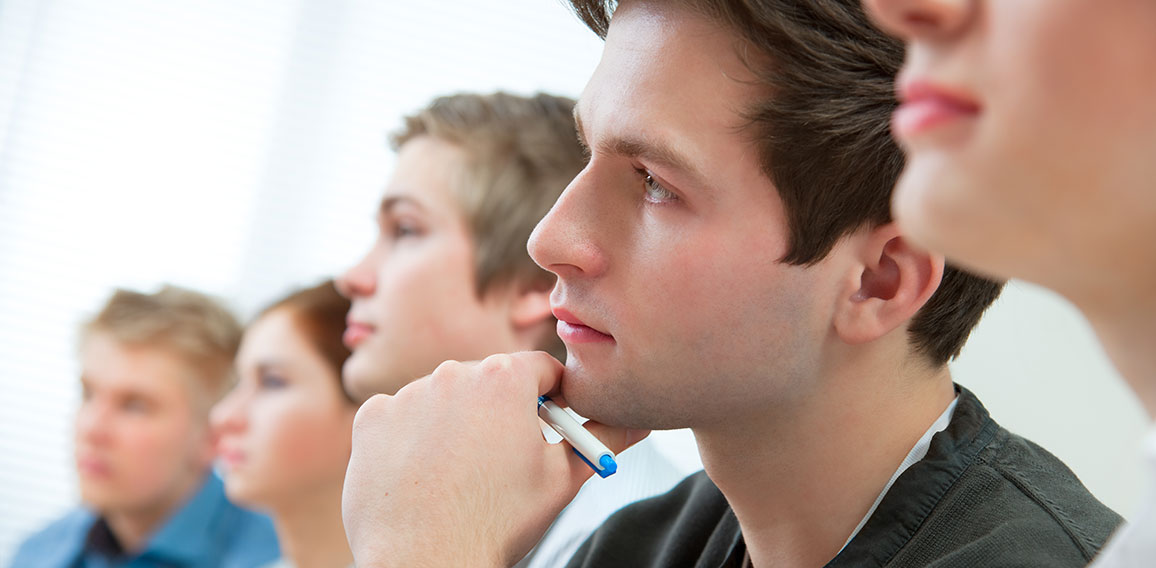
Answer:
[(231, 457), (573, 331), (355, 334), (926, 107), (90, 467)]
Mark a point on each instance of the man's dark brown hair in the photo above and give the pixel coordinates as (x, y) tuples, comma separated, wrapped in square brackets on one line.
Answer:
[(824, 138)]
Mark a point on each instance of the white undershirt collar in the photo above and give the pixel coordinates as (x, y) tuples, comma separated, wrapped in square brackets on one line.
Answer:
[(917, 453)]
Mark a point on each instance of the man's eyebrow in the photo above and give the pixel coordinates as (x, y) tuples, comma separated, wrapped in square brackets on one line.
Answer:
[(649, 150), (392, 201)]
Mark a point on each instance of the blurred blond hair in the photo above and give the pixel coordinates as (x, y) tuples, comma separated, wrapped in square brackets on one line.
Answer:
[(190, 325)]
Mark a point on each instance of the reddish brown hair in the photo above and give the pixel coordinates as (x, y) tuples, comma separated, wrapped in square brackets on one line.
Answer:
[(320, 313)]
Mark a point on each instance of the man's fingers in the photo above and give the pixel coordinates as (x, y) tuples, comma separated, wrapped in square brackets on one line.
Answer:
[(545, 367)]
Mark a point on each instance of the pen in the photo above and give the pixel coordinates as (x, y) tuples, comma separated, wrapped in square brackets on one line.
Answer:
[(584, 443)]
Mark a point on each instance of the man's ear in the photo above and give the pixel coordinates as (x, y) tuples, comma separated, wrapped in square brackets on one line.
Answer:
[(206, 450), (895, 280), (530, 305)]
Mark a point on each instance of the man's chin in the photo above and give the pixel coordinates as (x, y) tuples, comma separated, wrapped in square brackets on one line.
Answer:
[(102, 501), (585, 396), (612, 399), (361, 380), (356, 379), (356, 388)]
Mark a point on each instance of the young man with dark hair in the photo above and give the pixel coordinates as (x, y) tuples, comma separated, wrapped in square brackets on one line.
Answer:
[(726, 262)]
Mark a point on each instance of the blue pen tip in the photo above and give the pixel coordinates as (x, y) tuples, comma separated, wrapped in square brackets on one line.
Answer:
[(609, 466)]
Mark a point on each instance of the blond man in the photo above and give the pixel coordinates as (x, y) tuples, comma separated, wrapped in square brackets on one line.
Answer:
[(152, 365)]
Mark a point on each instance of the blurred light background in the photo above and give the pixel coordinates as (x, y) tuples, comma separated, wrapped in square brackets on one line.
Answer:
[(239, 147)]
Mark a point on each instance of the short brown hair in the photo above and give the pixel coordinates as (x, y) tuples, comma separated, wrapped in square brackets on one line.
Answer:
[(319, 313), (521, 152), (824, 137), (191, 325)]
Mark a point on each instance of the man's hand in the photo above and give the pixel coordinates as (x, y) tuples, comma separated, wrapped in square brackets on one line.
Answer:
[(453, 469)]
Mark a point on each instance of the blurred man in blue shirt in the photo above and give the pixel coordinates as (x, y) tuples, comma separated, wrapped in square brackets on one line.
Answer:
[(152, 366)]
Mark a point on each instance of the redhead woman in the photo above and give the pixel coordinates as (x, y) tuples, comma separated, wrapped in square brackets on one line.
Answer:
[(284, 431)]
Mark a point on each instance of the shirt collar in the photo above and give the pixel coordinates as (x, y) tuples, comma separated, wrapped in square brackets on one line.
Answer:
[(186, 534), (181, 539), (917, 453)]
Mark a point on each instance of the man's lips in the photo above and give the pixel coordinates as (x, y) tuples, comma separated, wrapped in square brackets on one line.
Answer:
[(230, 457), (572, 330), (89, 466), (926, 106), (355, 334), (229, 450)]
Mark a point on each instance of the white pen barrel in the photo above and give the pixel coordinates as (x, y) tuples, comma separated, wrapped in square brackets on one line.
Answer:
[(581, 438)]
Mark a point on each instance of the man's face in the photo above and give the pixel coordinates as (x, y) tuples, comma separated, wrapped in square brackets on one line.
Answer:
[(414, 298), (1030, 132), (673, 306), (142, 430)]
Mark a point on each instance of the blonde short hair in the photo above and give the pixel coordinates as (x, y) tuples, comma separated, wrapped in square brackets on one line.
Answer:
[(521, 152), (188, 324)]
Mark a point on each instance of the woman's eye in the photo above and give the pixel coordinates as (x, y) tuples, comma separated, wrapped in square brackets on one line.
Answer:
[(270, 381), (654, 190)]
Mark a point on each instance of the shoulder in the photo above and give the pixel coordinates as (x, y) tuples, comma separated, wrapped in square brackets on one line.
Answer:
[(983, 496), (1018, 503), (668, 529), (56, 544), (1015, 475), (248, 538)]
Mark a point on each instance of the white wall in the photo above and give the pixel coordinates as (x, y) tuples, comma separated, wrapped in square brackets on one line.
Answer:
[(238, 148), (1035, 364)]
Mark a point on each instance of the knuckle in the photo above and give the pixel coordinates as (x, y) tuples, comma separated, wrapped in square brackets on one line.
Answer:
[(497, 364), (370, 412), (448, 368)]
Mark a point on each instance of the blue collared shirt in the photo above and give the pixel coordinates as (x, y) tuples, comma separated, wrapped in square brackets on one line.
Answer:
[(207, 532)]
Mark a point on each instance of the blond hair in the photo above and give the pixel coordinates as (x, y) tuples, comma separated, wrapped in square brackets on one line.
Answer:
[(188, 324), (521, 152)]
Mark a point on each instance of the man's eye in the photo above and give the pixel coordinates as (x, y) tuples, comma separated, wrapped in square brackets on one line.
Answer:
[(404, 230), (136, 404), (654, 190)]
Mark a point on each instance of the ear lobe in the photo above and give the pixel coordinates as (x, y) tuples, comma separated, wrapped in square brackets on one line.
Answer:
[(530, 305), (896, 280), (208, 448)]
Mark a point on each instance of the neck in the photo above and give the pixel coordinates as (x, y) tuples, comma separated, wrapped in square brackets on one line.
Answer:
[(801, 476), (310, 530), (1125, 323), (132, 528)]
